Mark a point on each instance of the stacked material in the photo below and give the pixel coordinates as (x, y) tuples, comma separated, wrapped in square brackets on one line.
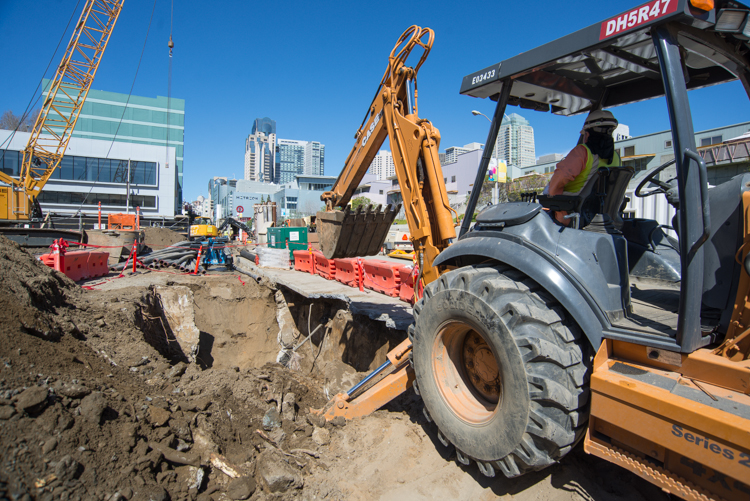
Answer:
[(273, 258), (181, 255)]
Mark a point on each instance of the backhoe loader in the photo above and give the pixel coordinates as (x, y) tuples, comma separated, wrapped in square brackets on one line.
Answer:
[(531, 336)]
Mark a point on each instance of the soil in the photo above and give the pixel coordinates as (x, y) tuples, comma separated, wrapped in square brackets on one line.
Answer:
[(93, 404), (157, 238)]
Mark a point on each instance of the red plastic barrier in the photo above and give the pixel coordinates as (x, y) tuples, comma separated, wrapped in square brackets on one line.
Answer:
[(382, 276), (406, 291), (326, 268), (97, 264), (346, 271), (302, 261), (77, 265)]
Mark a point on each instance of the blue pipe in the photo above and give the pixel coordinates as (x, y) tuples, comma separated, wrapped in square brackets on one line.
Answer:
[(369, 377)]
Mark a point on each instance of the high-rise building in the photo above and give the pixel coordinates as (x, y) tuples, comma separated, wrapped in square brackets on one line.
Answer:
[(296, 158), (123, 118), (515, 141), (315, 154), (260, 151), (382, 166)]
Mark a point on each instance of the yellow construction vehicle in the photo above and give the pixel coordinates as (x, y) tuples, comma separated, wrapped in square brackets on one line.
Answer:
[(203, 227), (54, 125), (531, 336)]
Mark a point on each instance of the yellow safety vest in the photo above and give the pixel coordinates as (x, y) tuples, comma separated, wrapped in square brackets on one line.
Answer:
[(593, 162)]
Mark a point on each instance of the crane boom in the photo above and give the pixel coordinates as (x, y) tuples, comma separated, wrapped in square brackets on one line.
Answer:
[(62, 106)]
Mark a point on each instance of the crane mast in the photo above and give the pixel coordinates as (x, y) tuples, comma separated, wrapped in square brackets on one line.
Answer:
[(62, 106)]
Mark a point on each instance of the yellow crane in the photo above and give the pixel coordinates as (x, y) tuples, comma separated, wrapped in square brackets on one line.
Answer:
[(62, 106)]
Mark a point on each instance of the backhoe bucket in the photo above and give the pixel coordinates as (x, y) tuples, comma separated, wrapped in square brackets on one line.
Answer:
[(354, 234)]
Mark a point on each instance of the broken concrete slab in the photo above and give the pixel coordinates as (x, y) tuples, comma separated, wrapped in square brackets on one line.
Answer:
[(178, 309)]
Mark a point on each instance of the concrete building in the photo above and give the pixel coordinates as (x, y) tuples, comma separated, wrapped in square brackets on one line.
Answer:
[(515, 141), (550, 157), (452, 152), (94, 171), (374, 188), (295, 158), (298, 198), (260, 151), (382, 166), (123, 118)]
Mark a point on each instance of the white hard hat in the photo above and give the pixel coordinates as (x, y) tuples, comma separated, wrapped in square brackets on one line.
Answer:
[(602, 120)]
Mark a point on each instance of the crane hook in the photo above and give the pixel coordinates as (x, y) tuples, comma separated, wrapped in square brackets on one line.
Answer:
[(170, 45)]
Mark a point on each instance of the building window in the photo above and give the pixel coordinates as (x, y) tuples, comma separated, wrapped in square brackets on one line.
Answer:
[(629, 151), (93, 199), (453, 179), (668, 143), (380, 192), (708, 141)]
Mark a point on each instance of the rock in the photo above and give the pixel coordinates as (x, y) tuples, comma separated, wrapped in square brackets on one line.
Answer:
[(6, 411), (92, 407), (241, 488), (276, 474), (66, 469), (127, 492), (129, 435), (316, 420), (199, 404), (32, 399), (271, 419), (339, 421), (288, 409), (151, 493), (177, 370), (181, 428), (157, 416), (71, 390), (49, 446), (190, 476), (321, 436)]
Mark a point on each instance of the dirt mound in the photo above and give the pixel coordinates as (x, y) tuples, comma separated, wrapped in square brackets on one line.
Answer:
[(158, 238), (31, 292)]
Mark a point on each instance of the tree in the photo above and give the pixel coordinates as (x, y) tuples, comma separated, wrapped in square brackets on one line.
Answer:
[(11, 121), (360, 201)]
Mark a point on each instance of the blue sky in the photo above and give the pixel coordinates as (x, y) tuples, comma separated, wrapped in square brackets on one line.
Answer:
[(314, 67)]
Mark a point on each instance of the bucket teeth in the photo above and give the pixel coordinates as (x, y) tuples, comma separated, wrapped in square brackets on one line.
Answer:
[(354, 234)]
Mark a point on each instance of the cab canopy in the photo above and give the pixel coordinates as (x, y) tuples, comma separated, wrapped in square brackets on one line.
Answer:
[(614, 62)]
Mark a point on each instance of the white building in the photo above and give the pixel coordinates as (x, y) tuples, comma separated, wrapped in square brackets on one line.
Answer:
[(515, 141), (94, 171), (452, 152), (260, 151), (315, 154), (382, 166)]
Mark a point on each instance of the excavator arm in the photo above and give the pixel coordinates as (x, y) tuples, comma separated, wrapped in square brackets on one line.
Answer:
[(414, 145), (393, 114), (67, 93)]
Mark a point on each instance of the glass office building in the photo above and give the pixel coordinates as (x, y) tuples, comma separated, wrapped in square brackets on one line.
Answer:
[(150, 121)]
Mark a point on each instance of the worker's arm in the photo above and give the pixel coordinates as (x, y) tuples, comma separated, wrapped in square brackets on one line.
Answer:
[(567, 170)]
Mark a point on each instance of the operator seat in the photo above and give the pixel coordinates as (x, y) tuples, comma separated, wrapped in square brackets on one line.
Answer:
[(603, 193)]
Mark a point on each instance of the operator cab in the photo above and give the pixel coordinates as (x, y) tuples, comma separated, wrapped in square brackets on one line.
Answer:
[(671, 47)]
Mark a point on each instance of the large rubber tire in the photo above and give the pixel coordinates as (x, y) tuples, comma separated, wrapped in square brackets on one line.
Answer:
[(527, 410)]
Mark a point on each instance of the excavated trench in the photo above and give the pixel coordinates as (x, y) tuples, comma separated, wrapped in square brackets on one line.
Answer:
[(248, 325)]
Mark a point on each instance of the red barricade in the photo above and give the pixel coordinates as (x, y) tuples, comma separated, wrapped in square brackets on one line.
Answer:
[(406, 291), (346, 271), (326, 268), (77, 265), (382, 276), (97, 264), (302, 261)]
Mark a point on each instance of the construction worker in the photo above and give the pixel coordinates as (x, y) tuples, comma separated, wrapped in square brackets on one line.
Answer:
[(596, 150)]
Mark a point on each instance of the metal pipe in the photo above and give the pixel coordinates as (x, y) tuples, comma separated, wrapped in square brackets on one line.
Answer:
[(369, 377), (255, 277)]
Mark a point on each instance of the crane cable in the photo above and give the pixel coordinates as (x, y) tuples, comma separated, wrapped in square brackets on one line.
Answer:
[(124, 109), (169, 89), (30, 106)]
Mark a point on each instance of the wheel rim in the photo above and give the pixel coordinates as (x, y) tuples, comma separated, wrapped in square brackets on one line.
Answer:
[(467, 373)]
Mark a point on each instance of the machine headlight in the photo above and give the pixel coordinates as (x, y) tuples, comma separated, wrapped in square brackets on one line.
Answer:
[(730, 20)]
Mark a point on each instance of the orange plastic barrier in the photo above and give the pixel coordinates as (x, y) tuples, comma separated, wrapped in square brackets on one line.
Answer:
[(346, 271), (302, 261), (77, 265), (326, 268), (406, 291), (382, 276), (97, 264)]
